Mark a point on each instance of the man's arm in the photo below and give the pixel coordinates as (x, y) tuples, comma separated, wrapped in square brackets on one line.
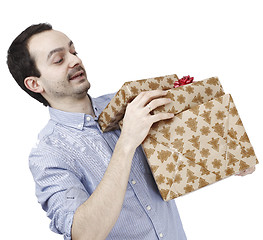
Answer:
[(95, 218)]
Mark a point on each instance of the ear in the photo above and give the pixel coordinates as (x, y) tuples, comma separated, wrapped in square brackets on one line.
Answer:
[(33, 84)]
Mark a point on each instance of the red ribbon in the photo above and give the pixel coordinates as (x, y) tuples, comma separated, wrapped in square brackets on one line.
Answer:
[(183, 81)]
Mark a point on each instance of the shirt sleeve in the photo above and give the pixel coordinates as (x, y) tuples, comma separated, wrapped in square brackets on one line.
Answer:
[(58, 187)]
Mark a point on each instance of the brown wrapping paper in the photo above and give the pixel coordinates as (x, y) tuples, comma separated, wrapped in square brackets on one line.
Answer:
[(115, 110), (205, 142)]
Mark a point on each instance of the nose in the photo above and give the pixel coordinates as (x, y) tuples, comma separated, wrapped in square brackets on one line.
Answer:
[(74, 60)]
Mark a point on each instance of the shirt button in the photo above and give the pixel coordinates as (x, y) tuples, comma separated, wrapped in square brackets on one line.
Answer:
[(148, 207), (161, 235), (133, 182), (88, 119), (80, 125)]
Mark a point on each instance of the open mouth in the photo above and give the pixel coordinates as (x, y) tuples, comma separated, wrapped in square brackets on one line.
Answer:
[(77, 75)]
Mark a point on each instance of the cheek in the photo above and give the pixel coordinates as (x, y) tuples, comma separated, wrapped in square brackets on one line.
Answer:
[(53, 76), (56, 75), (54, 81)]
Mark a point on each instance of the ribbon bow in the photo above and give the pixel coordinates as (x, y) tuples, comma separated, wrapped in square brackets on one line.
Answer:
[(183, 81)]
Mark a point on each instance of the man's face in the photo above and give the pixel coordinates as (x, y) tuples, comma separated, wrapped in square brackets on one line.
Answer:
[(63, 76)]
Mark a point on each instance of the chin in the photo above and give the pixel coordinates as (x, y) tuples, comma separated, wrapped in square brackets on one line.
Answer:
[(82, 89)]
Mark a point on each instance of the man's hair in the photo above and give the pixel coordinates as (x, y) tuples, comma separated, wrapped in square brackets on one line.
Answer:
[(19, 61)]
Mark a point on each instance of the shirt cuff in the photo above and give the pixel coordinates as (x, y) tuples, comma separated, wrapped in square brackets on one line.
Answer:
[(68, 225), (74, 198)]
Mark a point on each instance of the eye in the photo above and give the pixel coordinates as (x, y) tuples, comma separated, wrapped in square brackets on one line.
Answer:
[(59, 61), (75, 53)]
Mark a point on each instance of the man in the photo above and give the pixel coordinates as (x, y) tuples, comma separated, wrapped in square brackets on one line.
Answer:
[(92, 185)]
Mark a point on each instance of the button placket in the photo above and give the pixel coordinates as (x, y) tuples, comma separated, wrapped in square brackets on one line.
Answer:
[(145, 201)]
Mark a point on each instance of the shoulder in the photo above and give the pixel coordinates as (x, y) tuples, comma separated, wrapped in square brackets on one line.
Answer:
[(47, 130), (49, 147), (52, 153), (105, 98)]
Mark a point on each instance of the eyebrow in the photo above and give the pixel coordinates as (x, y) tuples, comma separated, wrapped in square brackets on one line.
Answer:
[(58, 50)]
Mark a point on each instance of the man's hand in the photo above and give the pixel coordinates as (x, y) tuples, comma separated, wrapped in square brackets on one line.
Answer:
[(138, 120), (246, 171)]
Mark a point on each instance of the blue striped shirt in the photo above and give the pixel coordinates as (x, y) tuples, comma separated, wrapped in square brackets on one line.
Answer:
[(68, 163)]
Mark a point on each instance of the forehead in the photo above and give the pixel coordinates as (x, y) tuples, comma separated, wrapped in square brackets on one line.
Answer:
[(42, 43)]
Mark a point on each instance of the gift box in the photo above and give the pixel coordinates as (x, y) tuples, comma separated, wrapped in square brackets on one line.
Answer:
[(205, 142), (198, 147), (114, 111)]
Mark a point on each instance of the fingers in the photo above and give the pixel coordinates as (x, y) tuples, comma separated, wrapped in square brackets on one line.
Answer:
[(146, 102), (145, 97), (246, 171), (137, 119), (161, 116), (157, 103)]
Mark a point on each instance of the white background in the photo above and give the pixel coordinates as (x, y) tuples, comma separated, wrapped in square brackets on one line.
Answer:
[(121, 41)]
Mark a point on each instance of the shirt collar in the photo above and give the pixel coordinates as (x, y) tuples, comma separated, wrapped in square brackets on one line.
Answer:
[(75, 120)]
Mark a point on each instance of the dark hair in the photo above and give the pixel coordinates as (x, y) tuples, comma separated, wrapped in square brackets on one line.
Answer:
[(19, 61)]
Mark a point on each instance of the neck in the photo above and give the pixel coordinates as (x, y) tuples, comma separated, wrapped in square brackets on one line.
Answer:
[(82, 105)]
